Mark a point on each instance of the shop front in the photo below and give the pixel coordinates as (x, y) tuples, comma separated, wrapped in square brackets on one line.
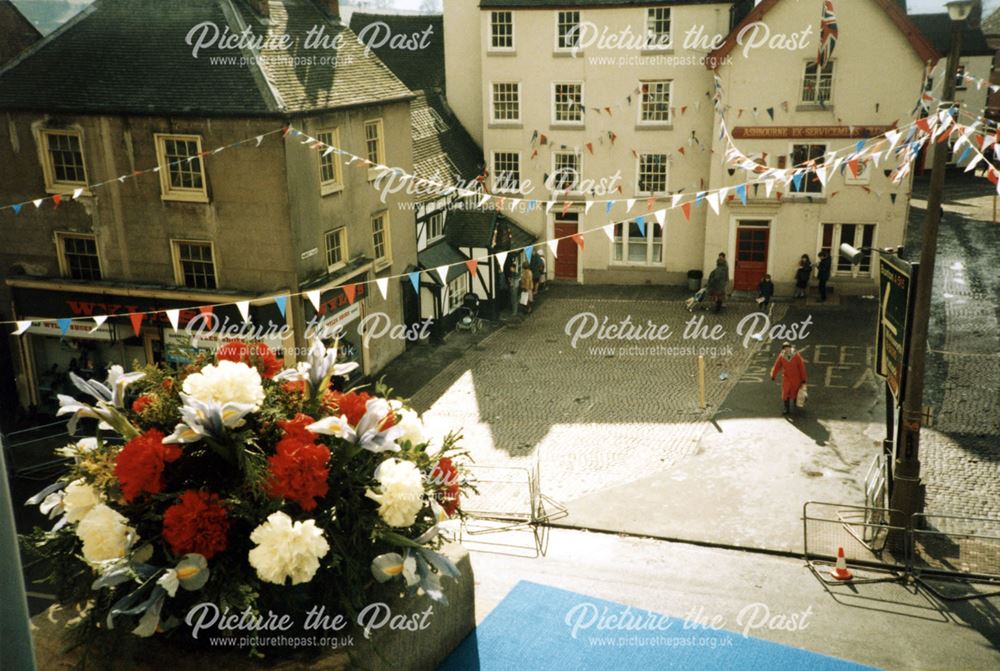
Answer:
[(341, 313)]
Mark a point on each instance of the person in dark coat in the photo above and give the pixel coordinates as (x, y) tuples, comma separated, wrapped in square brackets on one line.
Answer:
[(718, 282), (765, 291), (823, 273), (802, 276)]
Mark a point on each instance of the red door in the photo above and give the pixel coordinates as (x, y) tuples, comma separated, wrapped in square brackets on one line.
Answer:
[(751, 256), (566, 252)]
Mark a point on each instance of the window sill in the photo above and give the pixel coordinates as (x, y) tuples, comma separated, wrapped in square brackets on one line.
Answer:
[(67, 189), (653, 51), (501, 52), (335, 267), (669, 125), (503, 125), (330, 189), (814, 107), (379, 266), (566, 125), (808, 198), (568, 195), (636, 265), (567, 53), (184, 197)]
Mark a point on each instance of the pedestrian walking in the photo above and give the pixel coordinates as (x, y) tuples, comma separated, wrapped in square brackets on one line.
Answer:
[(718, 282), (802, 275), (527, 297), (823, 273), (765, 292), (538, 271), (513, 280), (792, 369)]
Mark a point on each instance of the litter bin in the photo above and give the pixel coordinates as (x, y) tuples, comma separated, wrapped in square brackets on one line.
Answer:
[(694, 279)]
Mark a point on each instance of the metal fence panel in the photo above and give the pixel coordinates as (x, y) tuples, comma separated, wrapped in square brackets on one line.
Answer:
[(955, 545), (863, 532)]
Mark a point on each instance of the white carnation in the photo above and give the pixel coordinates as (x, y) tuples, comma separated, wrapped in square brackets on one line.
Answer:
[(287, 550), (226, 382), (413, 428), (401, 492), (79, 499), (105, 534)]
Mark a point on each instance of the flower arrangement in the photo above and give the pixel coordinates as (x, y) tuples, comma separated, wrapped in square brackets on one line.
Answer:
[(242, 484)]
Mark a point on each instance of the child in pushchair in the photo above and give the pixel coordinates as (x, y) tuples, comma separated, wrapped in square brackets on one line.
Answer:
[(699, 297)]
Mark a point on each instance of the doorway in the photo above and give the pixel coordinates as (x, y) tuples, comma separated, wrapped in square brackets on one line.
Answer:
[(752, 242), (567, 251)]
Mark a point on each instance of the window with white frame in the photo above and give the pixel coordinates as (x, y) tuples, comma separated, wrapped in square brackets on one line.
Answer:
[(374, 144), (62, 160), (505, 103), (658, 28), (501, 31), (654, 105), (330, 178), (808, 155), (336, 248), (652, 174), (817, 83), (78, 257), (567, 103), (567, 30), (633, 245), (457, 289), (506, 171), (194, 264), (381, 249), (857, 236), (565, 171), (182, 172), (435, 226)]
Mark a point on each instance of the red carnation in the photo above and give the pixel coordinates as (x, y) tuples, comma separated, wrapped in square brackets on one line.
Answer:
[(445, 475), (139, 466), (141, 403), (197, 523), (298, 469), (353, 405), (256, 355)]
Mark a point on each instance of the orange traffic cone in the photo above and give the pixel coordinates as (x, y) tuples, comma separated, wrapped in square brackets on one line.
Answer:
[(840, 571)]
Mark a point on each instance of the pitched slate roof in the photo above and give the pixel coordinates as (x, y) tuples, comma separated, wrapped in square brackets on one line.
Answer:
[(991, 24), (937, 29), (546, 4), (474, 228), (921, 46), (133, 57), (442, 254), (443, 151), (421, 68)]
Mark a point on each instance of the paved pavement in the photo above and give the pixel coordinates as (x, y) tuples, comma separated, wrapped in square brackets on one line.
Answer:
[(886, 625), (960, 452)]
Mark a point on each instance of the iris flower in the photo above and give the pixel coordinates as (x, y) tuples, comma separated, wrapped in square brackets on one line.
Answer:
[(318, 368), (110, 399), (207, 419)]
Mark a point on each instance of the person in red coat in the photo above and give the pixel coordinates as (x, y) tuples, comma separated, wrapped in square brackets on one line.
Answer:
[(793, 374)]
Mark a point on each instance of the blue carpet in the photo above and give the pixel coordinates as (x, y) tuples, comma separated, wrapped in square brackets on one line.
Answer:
[(529, 630)]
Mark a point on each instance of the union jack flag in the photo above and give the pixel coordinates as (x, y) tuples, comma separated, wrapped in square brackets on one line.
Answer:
[(828, 34)]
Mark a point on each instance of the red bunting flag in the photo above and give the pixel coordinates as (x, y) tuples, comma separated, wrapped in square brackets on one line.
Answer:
[(590, 147), (649, 204), (855, 169), (924, 125), (57, 199), (992, 176), (472, 265), (542, 139), (534, 153), (635, 154), (684, 108), (136, 318), (779, 195), (613, 136), (137, 173), (681, 150), (285, 131), (686, 209), (205, 310), (565, 207), (578, 239), (349, 291), (620, 188), (608, 110)]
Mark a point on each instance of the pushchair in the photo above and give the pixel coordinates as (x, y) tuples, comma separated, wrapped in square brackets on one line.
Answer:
[(699, 297), (469, 319)]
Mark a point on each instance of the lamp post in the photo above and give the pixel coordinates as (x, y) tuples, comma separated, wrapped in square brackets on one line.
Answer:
[(907, 495)]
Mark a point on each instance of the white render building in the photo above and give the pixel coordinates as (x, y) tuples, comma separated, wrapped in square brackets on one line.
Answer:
[(577, 100)]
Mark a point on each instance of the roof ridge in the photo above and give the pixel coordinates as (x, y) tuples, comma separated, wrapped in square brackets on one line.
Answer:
[(48, 39)]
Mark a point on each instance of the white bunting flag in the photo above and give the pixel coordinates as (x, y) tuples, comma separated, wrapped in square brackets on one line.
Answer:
[(37, 202), (22, 326), (313, 297), (629, 204), (713, 201), (259, 138), (77, 193), (244, 308), (548, 206), (98, 322), (821, 174), (661, 217), (676, 199), (383, 286), (442, 272), (553, 245), (609, 230), (586, 208), (486, 199), (973, 162), (722, 194), (329, 150), (501, 258), (768, 187), (175, 317), (893, 137)]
